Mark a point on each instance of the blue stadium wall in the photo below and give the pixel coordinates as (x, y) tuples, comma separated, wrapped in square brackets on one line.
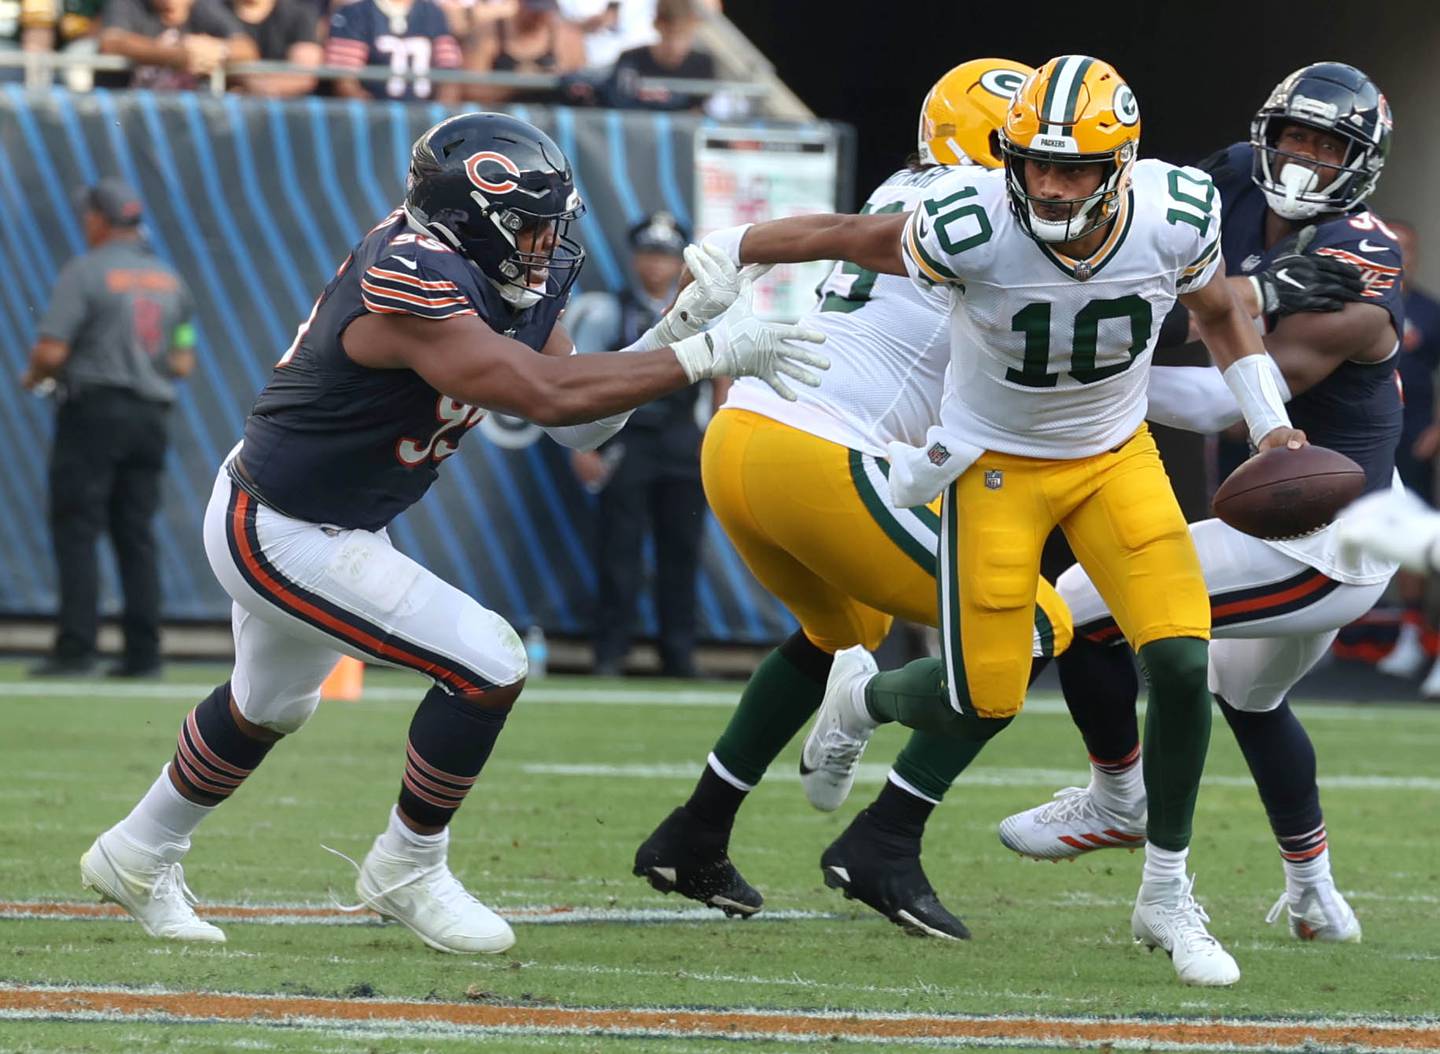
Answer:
[(256, 203)]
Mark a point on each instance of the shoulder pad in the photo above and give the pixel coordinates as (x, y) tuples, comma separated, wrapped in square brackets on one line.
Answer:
[(1361, 238), (409, 280)]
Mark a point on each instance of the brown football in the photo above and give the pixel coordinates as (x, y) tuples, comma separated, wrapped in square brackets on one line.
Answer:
[(1283, 493)]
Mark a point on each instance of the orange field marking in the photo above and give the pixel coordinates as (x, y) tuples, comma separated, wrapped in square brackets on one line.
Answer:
[(260, 1009)]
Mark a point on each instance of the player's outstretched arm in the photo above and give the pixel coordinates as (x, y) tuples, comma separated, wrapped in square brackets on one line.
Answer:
[(1238, 351), (1309, 347), (871, 242), (466, 360)]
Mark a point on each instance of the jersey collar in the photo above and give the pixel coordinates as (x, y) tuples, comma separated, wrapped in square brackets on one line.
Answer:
[(1084, 270)]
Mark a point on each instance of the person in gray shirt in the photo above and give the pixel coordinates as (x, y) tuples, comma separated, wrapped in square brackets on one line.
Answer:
[(114, 339)]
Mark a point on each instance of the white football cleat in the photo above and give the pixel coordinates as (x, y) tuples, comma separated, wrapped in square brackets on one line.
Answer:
[(1320, 913), (1407, 658), (832, 749), (149, 887), (1167, 916), (1069, 825), (1430, 686), (419, 891)]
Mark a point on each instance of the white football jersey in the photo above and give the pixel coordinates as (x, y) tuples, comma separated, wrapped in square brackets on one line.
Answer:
[(1050, 356), (888, 342)]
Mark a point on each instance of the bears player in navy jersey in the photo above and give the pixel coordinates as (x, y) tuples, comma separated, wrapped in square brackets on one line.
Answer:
[(448, 308), (1322, 274)]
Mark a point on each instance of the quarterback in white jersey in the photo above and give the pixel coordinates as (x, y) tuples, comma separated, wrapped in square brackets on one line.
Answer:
[(798, 488), (1060, 271)]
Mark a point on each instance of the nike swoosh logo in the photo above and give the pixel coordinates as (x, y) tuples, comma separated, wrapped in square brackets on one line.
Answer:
[(805, 769), (1366, 247), (408, 263), (920, 227), (1283, 276)]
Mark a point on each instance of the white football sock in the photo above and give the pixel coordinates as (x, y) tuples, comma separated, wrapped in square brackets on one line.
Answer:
[(401, 840), (858, 707), (163, 817), (1301, 874), (1122, 792), (1164, 865)]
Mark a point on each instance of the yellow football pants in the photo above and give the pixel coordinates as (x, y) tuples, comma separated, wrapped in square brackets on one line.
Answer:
[(811, 521), (1121, 518)]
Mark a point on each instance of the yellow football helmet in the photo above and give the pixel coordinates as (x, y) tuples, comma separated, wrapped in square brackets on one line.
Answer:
[(961, 116), (1073, 110)]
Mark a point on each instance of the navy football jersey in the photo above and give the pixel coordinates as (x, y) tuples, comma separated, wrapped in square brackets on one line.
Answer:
[(1357, 409), (334, 442), (415, 41)]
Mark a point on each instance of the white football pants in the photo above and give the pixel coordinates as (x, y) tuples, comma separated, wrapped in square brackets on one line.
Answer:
[(307, 593), (1272, 617)]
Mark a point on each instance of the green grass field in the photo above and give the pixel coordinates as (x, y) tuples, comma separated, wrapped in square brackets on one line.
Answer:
[(585, 769)]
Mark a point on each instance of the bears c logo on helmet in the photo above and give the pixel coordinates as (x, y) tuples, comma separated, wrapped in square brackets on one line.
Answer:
[(472, 169)]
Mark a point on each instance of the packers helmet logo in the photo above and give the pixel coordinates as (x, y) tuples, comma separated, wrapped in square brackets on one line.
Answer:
[(490, 160), (1127, 110), (1004, 83)]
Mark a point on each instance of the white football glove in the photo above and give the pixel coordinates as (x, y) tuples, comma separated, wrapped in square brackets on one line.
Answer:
[(1394, 525), (742, 345), (716, 285)]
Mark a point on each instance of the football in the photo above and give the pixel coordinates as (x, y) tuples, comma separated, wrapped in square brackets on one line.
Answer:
[(1284, 493)]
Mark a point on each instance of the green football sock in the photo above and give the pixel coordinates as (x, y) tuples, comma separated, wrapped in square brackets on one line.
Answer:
[(930, 762), (781, 696), (1177, 735)]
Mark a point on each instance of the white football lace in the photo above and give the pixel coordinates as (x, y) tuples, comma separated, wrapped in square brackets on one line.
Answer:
[(1071, 803), (1188, 919), (840, 752), (1274, 913), (444, 886), (170, 885)]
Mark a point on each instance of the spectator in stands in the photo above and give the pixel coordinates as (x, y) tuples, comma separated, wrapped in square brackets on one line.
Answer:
[(59, 25), (1415, 456), (411, 37), (610, 27), (648, 475), (535, 39), (673, 55), (283, 31), (475, 25), (173, 43), (113, 342)]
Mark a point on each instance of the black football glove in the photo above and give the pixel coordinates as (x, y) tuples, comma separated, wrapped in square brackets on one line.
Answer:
[(1300, 281)]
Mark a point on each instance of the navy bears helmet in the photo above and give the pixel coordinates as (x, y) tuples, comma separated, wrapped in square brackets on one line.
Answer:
[(502, 194), (1334, 98)]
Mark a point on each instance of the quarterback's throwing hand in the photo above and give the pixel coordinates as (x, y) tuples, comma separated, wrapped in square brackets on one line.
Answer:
[(1294, 438), (1393, 525), (745, 346)]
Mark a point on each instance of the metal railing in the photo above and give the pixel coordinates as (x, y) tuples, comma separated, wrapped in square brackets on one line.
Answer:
[(40, 67)]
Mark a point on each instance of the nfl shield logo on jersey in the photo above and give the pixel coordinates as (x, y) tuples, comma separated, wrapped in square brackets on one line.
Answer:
[(994, 479), (937, 454)]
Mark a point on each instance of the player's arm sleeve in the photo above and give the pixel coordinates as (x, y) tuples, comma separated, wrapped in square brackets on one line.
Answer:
[(1197, 399), (1193, 210), (69, 304), (942, 235), (399, 286)]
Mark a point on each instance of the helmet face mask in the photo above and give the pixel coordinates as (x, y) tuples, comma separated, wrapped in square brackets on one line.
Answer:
[(499, 192), (1335, 99), (1072, 111)]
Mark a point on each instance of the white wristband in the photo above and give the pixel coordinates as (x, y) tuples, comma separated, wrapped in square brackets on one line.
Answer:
[(1253, 384), (697, 354), (727, 240), (653, 339)]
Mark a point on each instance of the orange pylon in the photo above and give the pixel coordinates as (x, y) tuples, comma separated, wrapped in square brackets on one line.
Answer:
[(346, 681)]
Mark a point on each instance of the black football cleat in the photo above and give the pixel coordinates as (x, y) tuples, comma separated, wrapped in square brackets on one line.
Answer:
[(688, 857), (881, 869)]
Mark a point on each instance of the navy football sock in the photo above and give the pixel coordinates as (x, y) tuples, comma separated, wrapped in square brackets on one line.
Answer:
[(450, 739), (213, 756), (1101, 686), (1282, 762)]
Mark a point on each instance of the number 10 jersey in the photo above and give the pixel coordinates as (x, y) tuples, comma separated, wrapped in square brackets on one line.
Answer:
[(1049, 356)]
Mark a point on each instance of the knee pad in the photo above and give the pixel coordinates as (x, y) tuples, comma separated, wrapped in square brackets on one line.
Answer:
[(1176, 663), (285, 710)]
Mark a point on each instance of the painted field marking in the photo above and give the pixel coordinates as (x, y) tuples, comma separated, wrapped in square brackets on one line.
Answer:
[(326, 915), (480, 1018), (1046, 704)]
